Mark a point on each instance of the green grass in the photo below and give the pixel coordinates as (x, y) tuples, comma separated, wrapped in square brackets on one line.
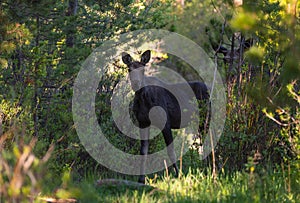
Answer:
[(197, 186)]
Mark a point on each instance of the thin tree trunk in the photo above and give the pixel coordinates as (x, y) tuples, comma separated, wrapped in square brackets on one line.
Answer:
[(231, 54), (72, 11), (35, 75), (240, 74), (1, 120)]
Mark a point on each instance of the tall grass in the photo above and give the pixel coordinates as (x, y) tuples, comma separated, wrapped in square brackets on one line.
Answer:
[(254, 184), (198, 186)]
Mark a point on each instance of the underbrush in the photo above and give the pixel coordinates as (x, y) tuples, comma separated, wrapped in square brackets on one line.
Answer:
[(279, 185), (27, 180)]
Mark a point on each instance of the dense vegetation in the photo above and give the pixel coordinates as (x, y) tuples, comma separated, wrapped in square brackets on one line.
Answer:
[(255, 47)]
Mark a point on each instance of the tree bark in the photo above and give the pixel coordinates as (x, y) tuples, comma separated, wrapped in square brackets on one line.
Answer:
[(72, 11), (35, 75)]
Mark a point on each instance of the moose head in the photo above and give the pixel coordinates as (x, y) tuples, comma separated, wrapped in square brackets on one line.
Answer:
[(136, 69)]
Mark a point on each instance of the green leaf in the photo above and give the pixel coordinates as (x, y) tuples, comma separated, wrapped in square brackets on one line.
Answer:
[(255, 55), (244, 21)]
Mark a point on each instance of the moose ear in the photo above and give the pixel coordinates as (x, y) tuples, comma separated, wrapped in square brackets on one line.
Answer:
[(126, 58), (146, 57)]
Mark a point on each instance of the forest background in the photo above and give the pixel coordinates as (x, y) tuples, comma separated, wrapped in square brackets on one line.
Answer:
[(255, 46)]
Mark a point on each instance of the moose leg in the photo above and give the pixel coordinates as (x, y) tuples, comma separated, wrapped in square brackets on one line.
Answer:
[(144, 133), (170, 147)]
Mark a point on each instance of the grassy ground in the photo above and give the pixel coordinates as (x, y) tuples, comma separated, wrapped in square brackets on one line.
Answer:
[(198, 187)]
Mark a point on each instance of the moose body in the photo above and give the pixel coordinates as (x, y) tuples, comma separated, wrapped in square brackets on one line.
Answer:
[(151, 92), (151, 96)]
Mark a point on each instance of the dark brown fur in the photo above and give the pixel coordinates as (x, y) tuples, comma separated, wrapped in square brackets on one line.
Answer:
[(149, 95)]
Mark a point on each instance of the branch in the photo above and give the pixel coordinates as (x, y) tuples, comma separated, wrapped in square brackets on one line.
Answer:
[(272, 117), (215, 7), (116, 182)]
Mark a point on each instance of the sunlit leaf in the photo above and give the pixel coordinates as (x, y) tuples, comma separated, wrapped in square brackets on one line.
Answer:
[(255, 55), (244, 21)]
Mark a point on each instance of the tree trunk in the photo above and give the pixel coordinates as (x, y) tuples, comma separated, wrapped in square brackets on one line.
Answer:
[(35, 75), (72, 11)]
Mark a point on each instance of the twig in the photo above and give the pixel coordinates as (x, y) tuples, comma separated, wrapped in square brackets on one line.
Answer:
[(221, 41), (167, 171), (215, 7), (53, 200), (214, 170), (180, 159)]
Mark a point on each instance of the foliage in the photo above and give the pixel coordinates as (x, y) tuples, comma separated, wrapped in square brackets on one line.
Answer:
[(197, 18), (288, 119), (22, 173), (42, 53), (42, 46), (198, 186), (276, 54), (255, 76)]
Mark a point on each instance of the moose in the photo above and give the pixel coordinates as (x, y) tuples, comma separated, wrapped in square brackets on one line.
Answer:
[(148, 95)]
